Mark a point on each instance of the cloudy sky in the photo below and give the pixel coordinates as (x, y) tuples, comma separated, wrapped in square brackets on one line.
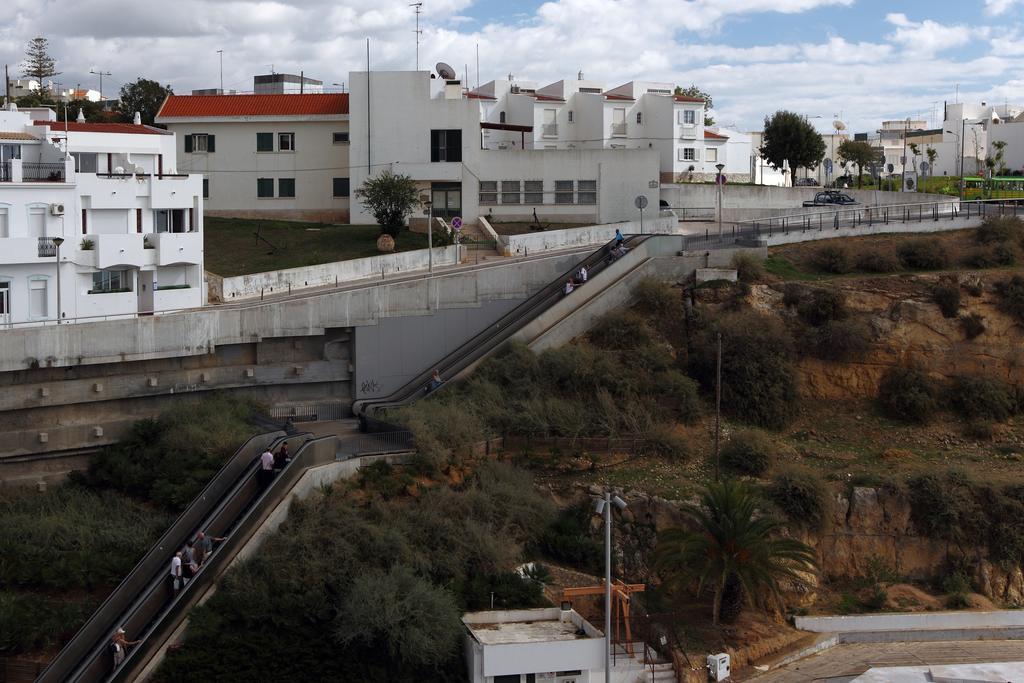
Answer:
[(866, 59)]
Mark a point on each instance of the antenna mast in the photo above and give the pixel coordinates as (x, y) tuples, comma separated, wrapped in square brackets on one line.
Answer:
[(418, 7), (101, 73)]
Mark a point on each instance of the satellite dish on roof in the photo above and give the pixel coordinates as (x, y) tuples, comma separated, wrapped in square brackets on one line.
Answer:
[(445, 71), (838, 125)]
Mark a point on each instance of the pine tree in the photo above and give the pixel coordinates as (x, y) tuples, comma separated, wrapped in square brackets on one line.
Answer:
[(38, 63)]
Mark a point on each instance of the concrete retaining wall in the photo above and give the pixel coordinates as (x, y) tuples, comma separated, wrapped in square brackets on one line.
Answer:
[(925, 226), (913, 621), (762, 197), (552, 240), (330, 274)]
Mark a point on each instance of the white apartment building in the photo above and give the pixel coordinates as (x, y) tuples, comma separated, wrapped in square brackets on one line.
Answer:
[(273, 156), (450, 142), (131, 226)]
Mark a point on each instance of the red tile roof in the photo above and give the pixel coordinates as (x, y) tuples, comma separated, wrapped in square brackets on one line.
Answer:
[(549, 98), (473, 95), (715, 136), (12, 135), (201, 106), (687, 98), (619, 97), (87, 127)]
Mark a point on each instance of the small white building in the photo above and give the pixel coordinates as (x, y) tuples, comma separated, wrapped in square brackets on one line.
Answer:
[(131, 226), (274, 156)]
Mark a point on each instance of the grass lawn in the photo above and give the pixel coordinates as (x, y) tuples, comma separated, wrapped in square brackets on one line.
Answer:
[(232, 248)]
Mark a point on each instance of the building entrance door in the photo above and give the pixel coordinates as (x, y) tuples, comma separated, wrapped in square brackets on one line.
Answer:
[(145, 292), (5, 303), (446, 199)]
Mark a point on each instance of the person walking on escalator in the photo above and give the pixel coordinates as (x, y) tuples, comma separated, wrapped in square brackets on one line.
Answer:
[(175, 580), (435, 382), (266, 471), (119, 646), (281, 458), (618, 237), (204, 546)]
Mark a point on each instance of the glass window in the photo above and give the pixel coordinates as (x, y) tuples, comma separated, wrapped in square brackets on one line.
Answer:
[(341, 187), (286, 187), (37, 298), (488, 192), (264, 187), (564, 191), (446, 145), (4, 229), (711, 154), (640, 117), (169, 220), (509, 191), (200, 142), (501, 117), (570, 116), (264, 142), (587, 191), (206, 188), (534, 192), (85, 162), (107, 281), (689, 154), (689, 116), (508, 678), (340, 138), (286, 142)]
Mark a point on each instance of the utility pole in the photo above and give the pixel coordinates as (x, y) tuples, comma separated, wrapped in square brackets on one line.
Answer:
[(718, 404), (221, 53), (7, 86), (418, 7), (101, 74)]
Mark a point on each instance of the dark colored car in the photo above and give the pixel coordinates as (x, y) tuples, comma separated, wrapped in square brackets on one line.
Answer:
[(830, 198), (806, 182)]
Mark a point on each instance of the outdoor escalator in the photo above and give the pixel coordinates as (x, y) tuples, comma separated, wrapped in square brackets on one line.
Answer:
[(481, 344)]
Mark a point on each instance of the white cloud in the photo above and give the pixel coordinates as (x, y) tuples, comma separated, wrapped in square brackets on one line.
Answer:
[(994, 8), (928, 37)]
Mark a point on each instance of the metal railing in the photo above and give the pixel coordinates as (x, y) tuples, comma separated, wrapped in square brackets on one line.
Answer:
[(693, 213), (837, 218), (5, 171), (42, 172), (47, 249), (379, 442)]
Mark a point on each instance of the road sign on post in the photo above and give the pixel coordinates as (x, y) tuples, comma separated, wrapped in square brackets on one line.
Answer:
[(641, 203)]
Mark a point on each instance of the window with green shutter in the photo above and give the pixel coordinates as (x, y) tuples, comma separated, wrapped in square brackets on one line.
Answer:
[(264, 142), (264, 187)]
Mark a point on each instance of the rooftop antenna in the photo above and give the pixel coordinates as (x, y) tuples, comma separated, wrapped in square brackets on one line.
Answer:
[(418, 7), (221, 53), (101, 74), (478, 65)]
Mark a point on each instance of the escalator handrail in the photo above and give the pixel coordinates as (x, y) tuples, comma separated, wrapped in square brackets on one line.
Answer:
[(96, 630), (404, 394)]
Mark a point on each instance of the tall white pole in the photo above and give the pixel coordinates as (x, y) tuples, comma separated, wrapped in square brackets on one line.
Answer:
[(430, 237), (221, 53), (608, 585)]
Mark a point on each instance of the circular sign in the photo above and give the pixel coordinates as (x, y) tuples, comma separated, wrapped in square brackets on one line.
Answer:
[(640, 202), (925, 166), (828, 165), (720, 179), (456, 223)]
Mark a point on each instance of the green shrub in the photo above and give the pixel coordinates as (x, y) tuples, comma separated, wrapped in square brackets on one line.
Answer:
[(981, 398), (748, 451), (656, 297), (758, 378), (620, 330), (652, 358), (1011, 297), (567, 539), (514, 368), (973, 325), (822, 306), (998, 229), (875, 261), (749, 268), (680, 392), (923, 254), (663, 442), (992, 256), (945, 507), (946, 296), (801, 495), (30, 622), (793, 293), (839, 340), (908, 394), (833, 259)]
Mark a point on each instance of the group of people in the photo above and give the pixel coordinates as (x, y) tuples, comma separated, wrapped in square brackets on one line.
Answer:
[(186, 562), (435, 382), (272, 463), (618, 249), (576, 280)]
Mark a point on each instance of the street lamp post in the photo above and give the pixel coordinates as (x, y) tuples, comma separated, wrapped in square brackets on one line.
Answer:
[(429, 210), (718, 182), (57, 241), (604, 507)]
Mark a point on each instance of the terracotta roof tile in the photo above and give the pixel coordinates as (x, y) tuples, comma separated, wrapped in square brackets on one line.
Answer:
[(473, 95), (201, 106), (626, 98), (687, 98), (11, 135), (87, 127), (715, 136), (549, 98)]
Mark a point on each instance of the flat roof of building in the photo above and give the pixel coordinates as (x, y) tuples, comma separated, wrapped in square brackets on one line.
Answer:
[(1000, 672), (527, 626)]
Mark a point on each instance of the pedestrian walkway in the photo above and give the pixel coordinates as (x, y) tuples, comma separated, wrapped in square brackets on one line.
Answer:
[(845, 662)]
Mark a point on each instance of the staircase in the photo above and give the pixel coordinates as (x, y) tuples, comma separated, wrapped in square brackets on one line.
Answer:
[(636, 671)]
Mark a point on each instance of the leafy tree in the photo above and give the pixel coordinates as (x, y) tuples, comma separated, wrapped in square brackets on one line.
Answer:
[(143, 96), (995, 163), (390, 197), (932, 155), (694, 91), (915, 152), (789, 137), (857, 152), (735, 546), (38, 63)]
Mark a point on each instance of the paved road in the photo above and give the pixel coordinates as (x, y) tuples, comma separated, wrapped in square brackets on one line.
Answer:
[(845, 661)]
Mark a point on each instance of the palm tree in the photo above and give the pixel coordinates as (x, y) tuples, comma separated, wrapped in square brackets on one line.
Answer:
[(734, 545)]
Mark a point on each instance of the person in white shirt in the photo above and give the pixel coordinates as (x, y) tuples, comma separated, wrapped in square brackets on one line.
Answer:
[(582, 275), (568, 287), (266, 474), (175, 579)]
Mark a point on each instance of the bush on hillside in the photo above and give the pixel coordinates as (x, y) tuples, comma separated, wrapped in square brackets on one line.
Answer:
[(1011, 297), (749, 268), (991, 256), (822, 306), (998, 229), (748, 451), (680, 393), (838, 340), (946, 296), (908, 394), (514, 368), (620, 330), (758, 378), (567, 539), (662, 441), (973, 325), (793, 293), (801, 495), (981, 398), (923, 254), (655, 297), (833, 258), (876, 261)]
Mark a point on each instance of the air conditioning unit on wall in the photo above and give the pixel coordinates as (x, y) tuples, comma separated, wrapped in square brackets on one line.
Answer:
[(57, 209)]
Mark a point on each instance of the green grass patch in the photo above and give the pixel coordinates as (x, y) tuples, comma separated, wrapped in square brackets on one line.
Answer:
[(779, 265), (231, 246)]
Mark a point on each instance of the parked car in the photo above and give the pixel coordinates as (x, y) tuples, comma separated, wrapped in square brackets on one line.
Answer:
[(830, 198), (806, 182)]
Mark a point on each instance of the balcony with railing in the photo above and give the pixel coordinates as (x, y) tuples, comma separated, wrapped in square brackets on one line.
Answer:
[(618, 130), (37, 172)]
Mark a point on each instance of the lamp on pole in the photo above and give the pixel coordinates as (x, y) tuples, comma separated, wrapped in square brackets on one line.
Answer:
[(57, 241), (604, 508), (718, 181), (429, 211)]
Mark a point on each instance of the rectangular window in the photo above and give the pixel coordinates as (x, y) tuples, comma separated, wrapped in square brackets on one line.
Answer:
[(340, 138), (618, 115), (200, 142), (38, 299), (286, 187), (264, 142), (587, 191), (640, 118), (286, 142), (4, 229), (108, 281), (564, 191), (711, 154), (534, 192), (169, 220), (85, 162), (341, 187), (445, 145), (689, 154), (264, 188), (570, 116), (507, 678), (206, 188), (488, 191), (689, 116), (509, 191)]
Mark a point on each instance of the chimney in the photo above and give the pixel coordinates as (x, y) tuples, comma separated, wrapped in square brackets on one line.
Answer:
[(510, 77), (137, 120), (579, 76), (81, 116), (452, 90)]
